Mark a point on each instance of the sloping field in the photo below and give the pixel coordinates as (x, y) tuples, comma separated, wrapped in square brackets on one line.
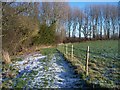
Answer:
[(51, 70), (104, 62)]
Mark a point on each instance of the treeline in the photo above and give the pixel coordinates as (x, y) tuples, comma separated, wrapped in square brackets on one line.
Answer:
[(25, 24), (95, 21)]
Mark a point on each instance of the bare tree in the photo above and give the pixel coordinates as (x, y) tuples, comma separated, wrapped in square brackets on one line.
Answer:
[(113, 17), (75, 18), (69, 21), (106, 14), (101, 21), (80, 21), (119, 17), (86, 26)]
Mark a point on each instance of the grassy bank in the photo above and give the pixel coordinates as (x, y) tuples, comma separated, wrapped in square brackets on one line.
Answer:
[(10, 73), (103, 64)]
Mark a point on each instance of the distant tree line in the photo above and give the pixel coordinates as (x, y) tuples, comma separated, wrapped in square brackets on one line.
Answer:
[(25, 24)]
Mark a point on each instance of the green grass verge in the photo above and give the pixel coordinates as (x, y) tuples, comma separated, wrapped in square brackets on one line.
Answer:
[(47, 51), (103, 64)]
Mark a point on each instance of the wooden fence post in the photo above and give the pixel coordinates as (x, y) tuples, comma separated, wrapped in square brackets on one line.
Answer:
[(87, 58), (66, 49), (72, 53), (57, 46)]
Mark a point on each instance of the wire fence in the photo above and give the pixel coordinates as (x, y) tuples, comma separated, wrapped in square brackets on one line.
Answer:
[(73, 52), (91, 52), (98, 54)]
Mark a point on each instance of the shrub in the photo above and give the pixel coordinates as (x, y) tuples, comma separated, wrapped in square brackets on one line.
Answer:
[(46, 34)]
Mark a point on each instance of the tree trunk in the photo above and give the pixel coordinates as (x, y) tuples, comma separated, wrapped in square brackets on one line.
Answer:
[(101, 30), (96, 29), (119, 31), (90, 29), (113, 36), (119, 18), (6, 57), (105, 28), (73, 33), (80, 31), (69, 32), (108, 30), (108, 34), (74, 28), (93, 31)]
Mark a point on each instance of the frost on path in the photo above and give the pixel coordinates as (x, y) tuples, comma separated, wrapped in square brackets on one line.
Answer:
[(47, 73)]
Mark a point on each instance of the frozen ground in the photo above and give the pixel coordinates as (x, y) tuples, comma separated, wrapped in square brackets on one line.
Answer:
[(40, 72)]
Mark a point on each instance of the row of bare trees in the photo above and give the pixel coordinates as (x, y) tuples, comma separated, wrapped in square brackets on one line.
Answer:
[(95, 21)]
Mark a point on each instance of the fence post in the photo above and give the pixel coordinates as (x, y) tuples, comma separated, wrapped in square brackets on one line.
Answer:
[(66, 49), (87, 58), (63, 49), (72, 53), (57, 46)]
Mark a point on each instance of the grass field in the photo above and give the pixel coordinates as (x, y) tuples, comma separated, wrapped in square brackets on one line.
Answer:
[(103, 65)]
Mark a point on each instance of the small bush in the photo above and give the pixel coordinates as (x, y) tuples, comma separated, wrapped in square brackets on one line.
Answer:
[(46, 34)]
